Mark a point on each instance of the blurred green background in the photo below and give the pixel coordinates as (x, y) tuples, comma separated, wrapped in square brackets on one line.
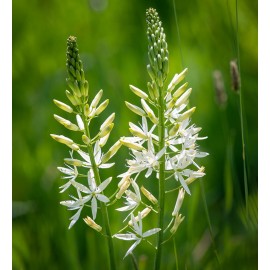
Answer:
[(113, 46)]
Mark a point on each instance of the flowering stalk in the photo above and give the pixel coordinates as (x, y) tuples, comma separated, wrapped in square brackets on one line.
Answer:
[(164, 143), (88, 163)]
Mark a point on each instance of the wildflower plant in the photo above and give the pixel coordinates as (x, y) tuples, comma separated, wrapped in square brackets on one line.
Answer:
[(81, 171), (164, 144)]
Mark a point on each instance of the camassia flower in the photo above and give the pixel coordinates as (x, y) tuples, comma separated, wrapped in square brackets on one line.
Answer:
[(94, 194), (138, 234), (165, 141), (87, 158)]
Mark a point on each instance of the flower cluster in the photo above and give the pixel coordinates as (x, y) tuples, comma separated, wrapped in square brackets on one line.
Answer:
[(165, 135), (82, 172)]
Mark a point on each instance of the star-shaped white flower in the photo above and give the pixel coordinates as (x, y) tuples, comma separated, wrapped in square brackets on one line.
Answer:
[(138, 235), (70, 174), (145, 159), (98, 158)]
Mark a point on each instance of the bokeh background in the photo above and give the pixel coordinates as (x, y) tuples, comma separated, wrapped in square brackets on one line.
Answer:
[(111, 35)]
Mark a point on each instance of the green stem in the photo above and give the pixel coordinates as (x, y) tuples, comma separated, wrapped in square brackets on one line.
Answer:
[(103, 206), (241, 115), (161, 133)]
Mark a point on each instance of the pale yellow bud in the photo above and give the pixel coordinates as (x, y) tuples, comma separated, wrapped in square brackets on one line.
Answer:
[(144, 213), (85, 139), (102, 107), (138, 92), (135, 109), (183, 98), (149, 112), (131, 145), (111, 152), (174, 129), (96, 99), (91, 223), (108, 121), (73, 161), (177, 79), (180, 90), (123, 188), (186, 114), (63, 106), (179, 202), (149, 195), (106, 130), (177, 221), (62, 139)]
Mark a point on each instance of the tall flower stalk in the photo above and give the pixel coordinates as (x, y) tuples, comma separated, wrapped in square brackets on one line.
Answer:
[(164, 143), (82, 168)]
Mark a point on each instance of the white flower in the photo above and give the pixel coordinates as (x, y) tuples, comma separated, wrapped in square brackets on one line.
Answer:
[(138, 235), (133, 199), (70, 173), (146, 159), (97, 156), (94, 194)]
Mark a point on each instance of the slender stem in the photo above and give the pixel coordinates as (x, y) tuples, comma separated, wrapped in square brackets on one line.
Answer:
[(241, 115), (175, 253), (161, 133), (103, 206), (209, 221)]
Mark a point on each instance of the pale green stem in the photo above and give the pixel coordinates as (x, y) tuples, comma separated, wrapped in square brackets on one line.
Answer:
[(161, 134), (175, 254), (241, 116), (103, 206)]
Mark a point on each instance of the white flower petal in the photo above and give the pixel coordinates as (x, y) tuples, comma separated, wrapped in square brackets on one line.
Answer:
[(183, 183), (102, 198), (151, 232), (104, 184), (94, 207), (126, 236), (133, 247)]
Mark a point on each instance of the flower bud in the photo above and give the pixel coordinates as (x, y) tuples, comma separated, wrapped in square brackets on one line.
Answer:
[(138, 92), (179, 201), (108, 121), (177, 221), (96, 99), (102, 107), (91, 223), (63, 106), (123, 188), (131, 145), (149, 195), (62, 139), (106, 130), (85, 139), (111, 152), (144, 213), (135, 109), (186, 114), (73, 161)]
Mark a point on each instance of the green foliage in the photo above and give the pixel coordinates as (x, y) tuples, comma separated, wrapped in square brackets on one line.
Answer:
[(113, 47)]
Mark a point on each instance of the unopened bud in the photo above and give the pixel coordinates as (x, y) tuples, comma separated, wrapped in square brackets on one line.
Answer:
[(138, 92), (85, 139), (179, 202), (123, 188), (144, 213), (135, 109), (149, 195), (111, 152), (63, 106), (102, 107), (177, 221), (91, 223), (106, 130), (186, 114), (73, 161), (96, 99), (131, 145), (62, 139), (108, 121)]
